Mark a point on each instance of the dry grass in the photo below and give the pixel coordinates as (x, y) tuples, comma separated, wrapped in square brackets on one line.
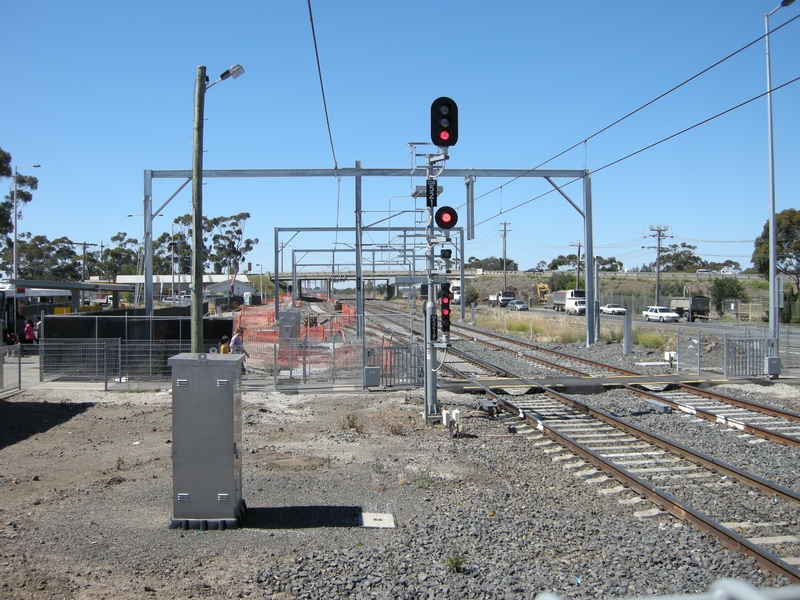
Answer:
[(354, 422), (546, 329)]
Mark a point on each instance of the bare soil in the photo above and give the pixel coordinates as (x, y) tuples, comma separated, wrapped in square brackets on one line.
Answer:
[(86, 488)]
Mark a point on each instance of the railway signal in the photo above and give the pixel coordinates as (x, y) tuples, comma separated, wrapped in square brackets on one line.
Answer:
[(446, 217), (447, 255), (446, 307), (444, 122)]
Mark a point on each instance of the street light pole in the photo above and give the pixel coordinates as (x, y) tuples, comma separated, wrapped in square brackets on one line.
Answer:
[(197, 212), (261, 282), (14, 264), (201, 86), (773, 309)]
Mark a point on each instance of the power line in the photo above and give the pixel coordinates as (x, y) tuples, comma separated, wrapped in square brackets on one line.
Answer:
[(674, 135), (653, 145), (321, 86), (642, 107)]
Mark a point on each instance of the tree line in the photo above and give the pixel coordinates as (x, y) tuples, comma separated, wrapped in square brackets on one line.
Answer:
[(225, 245)]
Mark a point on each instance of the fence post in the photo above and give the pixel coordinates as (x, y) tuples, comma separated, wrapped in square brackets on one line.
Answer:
[(725, 355), (275, 366), (304, 358), (105, 366), (678, 352), (699, 342), (333, 358)]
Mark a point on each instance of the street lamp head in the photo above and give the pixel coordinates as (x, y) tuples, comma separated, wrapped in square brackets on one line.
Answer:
[(786, 2), (237, 69)]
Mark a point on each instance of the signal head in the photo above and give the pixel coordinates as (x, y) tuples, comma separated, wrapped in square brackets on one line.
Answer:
[(444, 122), (446, 217)]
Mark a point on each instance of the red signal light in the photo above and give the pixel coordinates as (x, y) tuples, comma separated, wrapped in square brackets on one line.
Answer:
[(444, 122), (446, 217)]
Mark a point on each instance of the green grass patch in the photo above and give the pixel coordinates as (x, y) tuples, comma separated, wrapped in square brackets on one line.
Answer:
[(649, 339)]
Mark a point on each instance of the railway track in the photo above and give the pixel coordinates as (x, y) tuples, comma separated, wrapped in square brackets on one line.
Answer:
[(748, 513), (536, 353), (762, 421), (759, 420), (560, 363)]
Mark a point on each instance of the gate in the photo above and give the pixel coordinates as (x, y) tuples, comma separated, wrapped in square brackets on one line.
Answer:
[(745, 357), (401, 366)]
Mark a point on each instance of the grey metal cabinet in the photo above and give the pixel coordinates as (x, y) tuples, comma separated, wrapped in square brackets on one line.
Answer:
[(207, 441)]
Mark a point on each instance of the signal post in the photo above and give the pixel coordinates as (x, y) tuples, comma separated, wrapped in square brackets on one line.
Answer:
[(444, 133)]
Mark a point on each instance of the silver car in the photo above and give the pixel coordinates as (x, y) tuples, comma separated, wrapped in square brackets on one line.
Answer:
[(518, 305)]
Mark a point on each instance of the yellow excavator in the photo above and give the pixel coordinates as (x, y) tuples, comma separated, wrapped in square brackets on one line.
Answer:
[(541, 290)]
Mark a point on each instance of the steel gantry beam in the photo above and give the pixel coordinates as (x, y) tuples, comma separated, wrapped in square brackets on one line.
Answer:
[(467, 175)]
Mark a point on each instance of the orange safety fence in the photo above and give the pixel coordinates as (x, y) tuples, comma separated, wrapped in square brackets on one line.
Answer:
[(259, 323)]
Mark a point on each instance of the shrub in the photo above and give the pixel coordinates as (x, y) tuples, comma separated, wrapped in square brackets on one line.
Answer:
[(649, 339)]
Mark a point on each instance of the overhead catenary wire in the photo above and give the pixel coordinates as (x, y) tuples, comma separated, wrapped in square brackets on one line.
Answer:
[(321, 85), (642, 107), (648, 147), (327, 120)]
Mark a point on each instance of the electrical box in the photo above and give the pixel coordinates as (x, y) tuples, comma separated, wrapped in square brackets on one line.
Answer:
[(772, 365), (372, 376), (207, 441)]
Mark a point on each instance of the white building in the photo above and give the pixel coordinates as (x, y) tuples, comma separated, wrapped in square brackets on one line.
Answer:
[(212, 284)]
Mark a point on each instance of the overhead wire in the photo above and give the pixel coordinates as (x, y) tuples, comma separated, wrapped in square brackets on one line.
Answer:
[(648, 147), (637, 110), (327, 121), (321, 85)]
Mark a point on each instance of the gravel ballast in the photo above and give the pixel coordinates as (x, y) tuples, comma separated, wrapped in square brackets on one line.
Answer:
[(86, 499)]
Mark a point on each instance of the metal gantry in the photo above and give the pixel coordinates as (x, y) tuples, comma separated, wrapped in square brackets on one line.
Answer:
[(469, 176)]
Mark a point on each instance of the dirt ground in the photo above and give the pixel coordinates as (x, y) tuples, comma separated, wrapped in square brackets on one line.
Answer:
[(86, 487)]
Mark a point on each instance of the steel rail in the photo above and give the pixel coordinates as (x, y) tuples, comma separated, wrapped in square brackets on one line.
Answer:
[(756, 430), (540, 361), (754, 406), (669, 503), (728, 538), (564, 355)]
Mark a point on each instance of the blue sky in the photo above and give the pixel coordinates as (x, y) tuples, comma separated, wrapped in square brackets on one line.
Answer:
[(97, 92)]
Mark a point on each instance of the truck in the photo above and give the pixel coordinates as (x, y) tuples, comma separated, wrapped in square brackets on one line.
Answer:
[(575, 306), (567, 298), (107, 301), (501, 298), (456, 291), (691, 308)]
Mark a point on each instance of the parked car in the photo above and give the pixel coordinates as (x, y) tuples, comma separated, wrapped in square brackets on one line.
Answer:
[(518, 305), (613, 309), (660, 313)]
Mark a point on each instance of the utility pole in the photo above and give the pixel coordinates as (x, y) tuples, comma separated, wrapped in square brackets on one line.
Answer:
[(505, 235), (83, 263), (659, 232), (197, 212), (578, 280)]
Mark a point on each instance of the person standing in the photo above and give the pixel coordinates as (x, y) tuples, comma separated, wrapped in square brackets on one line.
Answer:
[(28, 333), (237, 342), (224, 346)]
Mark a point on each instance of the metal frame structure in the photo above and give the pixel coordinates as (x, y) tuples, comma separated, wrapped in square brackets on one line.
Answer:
[(469, 177)]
